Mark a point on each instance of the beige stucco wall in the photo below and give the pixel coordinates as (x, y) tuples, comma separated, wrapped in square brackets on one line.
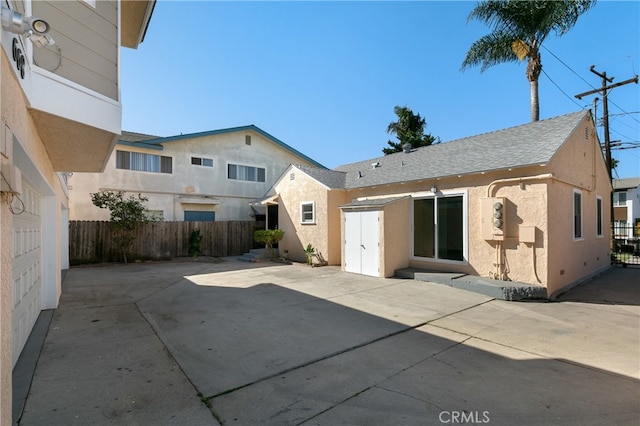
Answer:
[(41, 175), (327, 216), (394, 250), (229, 198), (578, 165)]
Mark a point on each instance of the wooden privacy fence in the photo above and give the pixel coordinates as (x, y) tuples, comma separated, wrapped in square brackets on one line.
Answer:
[(93, 241)]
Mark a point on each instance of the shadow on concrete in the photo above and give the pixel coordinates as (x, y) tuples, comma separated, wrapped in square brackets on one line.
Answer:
[(617, 286), (270, 355)]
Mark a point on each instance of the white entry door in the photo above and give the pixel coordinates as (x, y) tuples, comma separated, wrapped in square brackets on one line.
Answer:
[(362, 242), (27, 267)]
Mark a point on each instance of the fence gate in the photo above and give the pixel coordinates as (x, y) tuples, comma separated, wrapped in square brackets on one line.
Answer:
[(626, 244)]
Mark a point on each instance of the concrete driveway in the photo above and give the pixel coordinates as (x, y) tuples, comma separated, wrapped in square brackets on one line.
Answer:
[(249, 344)]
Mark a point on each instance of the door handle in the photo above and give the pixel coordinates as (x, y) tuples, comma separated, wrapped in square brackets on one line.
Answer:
[(362, 245)]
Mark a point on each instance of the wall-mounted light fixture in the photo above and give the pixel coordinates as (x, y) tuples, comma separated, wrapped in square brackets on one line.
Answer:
[(35, 28), (434, 189)]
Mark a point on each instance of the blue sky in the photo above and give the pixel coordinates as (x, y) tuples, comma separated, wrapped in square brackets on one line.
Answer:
[(324, 77)]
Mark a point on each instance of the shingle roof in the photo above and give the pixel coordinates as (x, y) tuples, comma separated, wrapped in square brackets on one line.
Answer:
[(626, 183), (529, 144), (135, 137), (331, 178)]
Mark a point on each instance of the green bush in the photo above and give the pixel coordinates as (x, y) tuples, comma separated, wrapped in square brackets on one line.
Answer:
[(268, 237)]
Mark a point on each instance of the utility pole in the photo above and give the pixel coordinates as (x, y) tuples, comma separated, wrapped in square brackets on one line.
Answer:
[(604, 90)]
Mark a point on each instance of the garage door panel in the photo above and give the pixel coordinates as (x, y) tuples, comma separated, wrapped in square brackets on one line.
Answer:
[(27, 268)]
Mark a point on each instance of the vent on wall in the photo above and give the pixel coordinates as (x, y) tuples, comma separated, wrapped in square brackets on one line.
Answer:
[(247, 139)]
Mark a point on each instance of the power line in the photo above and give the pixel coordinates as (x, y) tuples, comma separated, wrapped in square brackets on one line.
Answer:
[(568, 67), (581, 78), (563, 92)]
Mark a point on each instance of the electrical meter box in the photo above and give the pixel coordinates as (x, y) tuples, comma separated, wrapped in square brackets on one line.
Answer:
[(494, 217)]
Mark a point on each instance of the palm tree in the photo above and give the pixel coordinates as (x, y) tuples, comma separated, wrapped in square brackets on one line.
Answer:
[(518, 30)]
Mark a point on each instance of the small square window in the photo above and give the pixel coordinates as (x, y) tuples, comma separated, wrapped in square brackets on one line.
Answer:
[(247, 139), (307, 214)]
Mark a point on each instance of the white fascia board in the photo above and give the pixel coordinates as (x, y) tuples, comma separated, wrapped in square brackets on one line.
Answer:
[(61, 97)]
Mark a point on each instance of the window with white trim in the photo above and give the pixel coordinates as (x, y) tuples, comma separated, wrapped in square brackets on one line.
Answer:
[(308, 212), (439, 228), (143, 162), (619, 199), (246, 173), (599, 221), (577, 214)]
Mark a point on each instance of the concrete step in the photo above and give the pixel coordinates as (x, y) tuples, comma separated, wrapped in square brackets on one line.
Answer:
[(258, 255), (504, 290)]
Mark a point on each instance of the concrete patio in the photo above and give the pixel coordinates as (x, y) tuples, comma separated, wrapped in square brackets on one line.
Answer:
[(238, 343)]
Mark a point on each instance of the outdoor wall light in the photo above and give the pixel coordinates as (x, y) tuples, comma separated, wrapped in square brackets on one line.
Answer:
[(434, 189), (35, 28)]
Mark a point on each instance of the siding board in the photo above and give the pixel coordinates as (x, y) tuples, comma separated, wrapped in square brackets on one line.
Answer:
[(86, 49)]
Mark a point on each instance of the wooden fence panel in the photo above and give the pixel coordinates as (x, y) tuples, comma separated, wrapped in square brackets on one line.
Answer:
[(93, 241)]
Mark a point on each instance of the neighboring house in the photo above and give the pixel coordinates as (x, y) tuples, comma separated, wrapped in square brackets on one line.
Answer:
[(204, 176), (61, 112), (529, 204), (626, 207)]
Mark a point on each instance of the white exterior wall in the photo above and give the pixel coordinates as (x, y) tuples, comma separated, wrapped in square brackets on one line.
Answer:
[(189, 187), (633, 205)]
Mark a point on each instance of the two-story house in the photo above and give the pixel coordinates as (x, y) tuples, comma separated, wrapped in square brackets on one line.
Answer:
[(205, 176), (626, 208), (61, 112)]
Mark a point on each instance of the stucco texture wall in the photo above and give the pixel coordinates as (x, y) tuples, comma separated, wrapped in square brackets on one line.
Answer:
[(579, 166), (525, 205), (298, 235), (394, 247), (230, 198)]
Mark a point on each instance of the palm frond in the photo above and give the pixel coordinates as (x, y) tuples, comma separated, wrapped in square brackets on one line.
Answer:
[(490, 50)]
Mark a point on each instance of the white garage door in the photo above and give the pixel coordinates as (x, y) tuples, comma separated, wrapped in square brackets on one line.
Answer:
[(27, 267), (362, 242)]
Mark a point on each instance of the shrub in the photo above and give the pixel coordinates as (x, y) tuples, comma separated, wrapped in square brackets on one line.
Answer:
[(268, 237)]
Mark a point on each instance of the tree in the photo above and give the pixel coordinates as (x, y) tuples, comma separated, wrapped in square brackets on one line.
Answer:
[(126, 216), (408, 129), (518, 30)]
